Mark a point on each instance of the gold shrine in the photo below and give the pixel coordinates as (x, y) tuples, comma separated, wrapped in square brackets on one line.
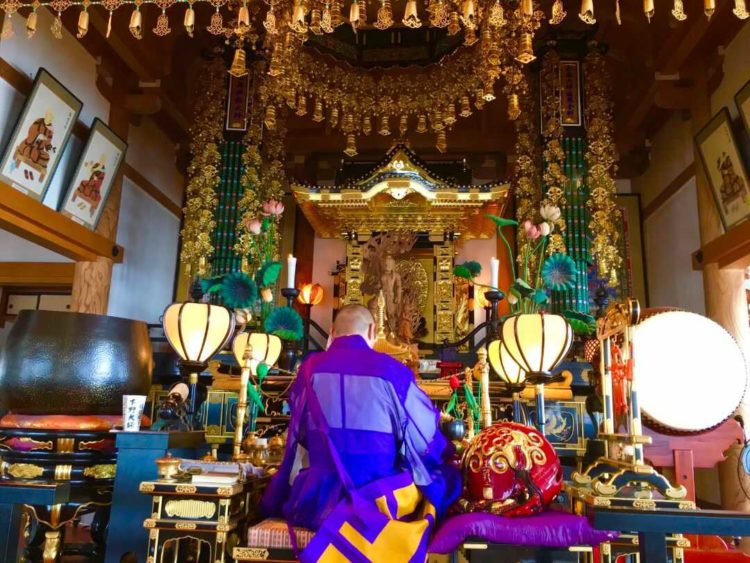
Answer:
[(382, 214)]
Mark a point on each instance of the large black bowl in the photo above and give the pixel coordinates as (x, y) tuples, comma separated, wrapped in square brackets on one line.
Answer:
[(73, 363)]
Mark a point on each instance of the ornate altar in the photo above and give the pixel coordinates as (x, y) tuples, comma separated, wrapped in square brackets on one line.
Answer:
[(402, 222)]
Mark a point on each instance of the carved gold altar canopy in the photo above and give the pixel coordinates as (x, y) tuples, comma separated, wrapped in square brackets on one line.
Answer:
[(400, 199), (401, 193)]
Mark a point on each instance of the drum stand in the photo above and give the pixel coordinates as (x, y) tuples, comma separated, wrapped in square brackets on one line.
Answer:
[(621, 477)]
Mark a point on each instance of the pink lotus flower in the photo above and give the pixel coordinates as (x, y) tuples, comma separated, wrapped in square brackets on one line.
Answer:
[(531, 230), (254, 226), (273, 207)]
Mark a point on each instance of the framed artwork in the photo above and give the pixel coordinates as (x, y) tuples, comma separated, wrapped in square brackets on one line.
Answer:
[(39, 137), (88, 190), (726, 172), (742, 99)]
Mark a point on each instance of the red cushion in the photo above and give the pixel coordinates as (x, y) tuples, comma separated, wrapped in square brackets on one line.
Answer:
[(87, 422)]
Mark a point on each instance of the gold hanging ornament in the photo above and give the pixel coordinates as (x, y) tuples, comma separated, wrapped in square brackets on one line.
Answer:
[(587, 12), (366, 125), (558, 13), (83, 24), (442, 143), (351, 145), (136, 24), (497, 15), (469, 14), (411, 17), (57, 28), (7, 31), (648, 9), (384, 129), (326, 21), (525, 48), (454, 23), (298, 18), (422, 124), (31, 22), (216, 26), (385, 16), (203, 172), (678, 11), (465, 107), (601, 160), (270, 118), (188, 20), (315, 22), (740, 9), (709, 7), (514, 107), (239, 66), (354, 15), (318, 112), (162, 25), (333, 119)]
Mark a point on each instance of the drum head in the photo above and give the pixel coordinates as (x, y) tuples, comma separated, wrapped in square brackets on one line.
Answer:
[(689, 372)]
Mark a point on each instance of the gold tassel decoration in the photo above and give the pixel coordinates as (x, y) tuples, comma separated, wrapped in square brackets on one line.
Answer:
[(514, 107), (354, 15), (31, 22), (587, 12), (709, 7), (740, 9), (367, 125), (162, 25), (83, 24), (136, 24), (239, 66), (465, 107), (351, 146), (318, 112), (7, 31), (525, 48), (333, 119), (558, 13), (189, 21), (678, 11), (442, 143), (301, 105), (648, 9), (57, 28), (270, 119), (422, 124), (403, 125), (385, 129), (216, 26)]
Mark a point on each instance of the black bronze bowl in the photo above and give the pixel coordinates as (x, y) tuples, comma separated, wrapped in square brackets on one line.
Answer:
[(73, 363)]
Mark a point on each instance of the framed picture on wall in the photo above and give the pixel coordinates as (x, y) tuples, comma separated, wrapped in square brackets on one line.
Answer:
[(742, 99), (726, 172), (39, 137), (90, 186)]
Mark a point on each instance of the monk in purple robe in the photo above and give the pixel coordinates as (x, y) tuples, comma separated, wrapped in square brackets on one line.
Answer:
[(377, 419)]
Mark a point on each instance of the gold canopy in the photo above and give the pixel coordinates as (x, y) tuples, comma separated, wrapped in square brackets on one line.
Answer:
[(401, 194)]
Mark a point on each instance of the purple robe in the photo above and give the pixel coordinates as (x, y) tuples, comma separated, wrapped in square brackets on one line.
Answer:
[(381, 424)]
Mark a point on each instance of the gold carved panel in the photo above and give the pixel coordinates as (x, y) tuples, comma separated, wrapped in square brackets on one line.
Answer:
[(190, 508)]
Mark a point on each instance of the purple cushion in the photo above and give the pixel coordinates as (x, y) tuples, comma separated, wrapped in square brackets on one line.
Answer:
[(548, 529)]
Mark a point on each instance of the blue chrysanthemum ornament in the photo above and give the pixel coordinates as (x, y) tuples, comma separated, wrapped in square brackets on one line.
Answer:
[(285, 323), (238, 290), (559, 272)]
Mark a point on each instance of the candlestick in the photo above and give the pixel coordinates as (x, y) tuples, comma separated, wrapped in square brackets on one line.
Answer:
[(291, 270), (494, 272)]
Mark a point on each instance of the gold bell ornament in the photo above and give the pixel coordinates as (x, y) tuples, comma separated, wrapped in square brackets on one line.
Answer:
[(31, 22), (239, 67), (189, 20), (709, 7), (83, 24), (648, 9), (354, 15), (136, 24), (411, 17), (587, 12)]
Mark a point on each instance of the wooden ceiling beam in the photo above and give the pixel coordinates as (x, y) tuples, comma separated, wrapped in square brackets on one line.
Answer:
[(45, 274)]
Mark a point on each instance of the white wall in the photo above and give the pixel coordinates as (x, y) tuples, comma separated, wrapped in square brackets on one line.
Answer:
[(142, 286), (327, 252)]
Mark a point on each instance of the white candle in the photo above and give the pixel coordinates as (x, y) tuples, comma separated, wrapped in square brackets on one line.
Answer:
[(291, 269), (494, 272)]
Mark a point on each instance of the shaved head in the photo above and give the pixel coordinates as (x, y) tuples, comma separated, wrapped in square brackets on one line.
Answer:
[(354, 319)]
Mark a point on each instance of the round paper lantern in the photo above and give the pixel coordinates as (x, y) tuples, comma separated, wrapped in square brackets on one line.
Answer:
[(505, 366), (537, 341), (264, 348), (197, 331), (311, 294)]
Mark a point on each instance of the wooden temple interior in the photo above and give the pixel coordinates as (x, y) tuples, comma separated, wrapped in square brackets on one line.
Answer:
[(191, 191)]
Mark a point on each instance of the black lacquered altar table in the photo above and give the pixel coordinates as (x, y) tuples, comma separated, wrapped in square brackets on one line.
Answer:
[(653, 526)]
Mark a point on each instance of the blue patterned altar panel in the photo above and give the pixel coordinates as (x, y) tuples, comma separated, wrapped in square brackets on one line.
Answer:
[(564, 426)]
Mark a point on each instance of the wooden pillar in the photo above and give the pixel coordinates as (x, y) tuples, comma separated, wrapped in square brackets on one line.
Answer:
[(723, 288), (92, 280)]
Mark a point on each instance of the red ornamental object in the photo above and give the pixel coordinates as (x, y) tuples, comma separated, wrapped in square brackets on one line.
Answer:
[(510, 469), (454, 382), (311, 294)]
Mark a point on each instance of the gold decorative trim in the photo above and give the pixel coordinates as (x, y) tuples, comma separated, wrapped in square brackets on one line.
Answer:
[(91, 445), (63, 472), (149, 523), (224, 491), (186, 489), (25, 470), (37, 445), (190, 508), (242, 553), (147, 487), (106, 471), (66, 445), (185, 526)]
